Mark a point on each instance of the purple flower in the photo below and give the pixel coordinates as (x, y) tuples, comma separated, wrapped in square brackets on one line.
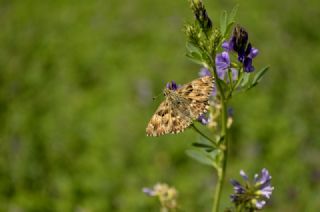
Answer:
[(253, 53), (222, 64), (234, 74), (228, 45), (259, 204), (239, 43), (172, 85), (265, 177), (253, 195), (243, 174), (237, 187), (247, 63), (204, 72), (263, 183), (247, 57), (203, 119), (249, 54), (149, 192)]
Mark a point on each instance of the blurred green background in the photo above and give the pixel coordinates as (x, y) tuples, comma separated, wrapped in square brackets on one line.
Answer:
[(77, 80)]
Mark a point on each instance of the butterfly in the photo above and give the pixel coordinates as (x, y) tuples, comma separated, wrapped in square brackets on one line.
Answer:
[(181, 106)]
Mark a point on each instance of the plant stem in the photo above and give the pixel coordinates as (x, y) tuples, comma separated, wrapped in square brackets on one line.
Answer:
[(224, 132), (203, 135), (222, 170)]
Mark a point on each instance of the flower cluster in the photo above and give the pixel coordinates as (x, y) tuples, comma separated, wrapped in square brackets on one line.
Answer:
[(252, 195), (167, 195), (239, 44)]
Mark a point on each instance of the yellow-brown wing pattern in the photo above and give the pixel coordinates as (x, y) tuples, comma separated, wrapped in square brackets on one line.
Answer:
[(171, 117), (197, 92), (166, 120)]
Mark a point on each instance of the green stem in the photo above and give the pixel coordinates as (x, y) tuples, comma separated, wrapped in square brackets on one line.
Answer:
[(235, 85), (224, 132), (222, 170), (203, 135)]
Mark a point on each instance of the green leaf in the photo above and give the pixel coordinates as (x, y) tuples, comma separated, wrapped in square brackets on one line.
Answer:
[(206, 147), (228, 29), (231, 19), (214, 155), (220, 138), (195, 53), (210, 149), (200, 156), (233, 14), (245, 79), (239, 80), (201, 145), (217, 156), (193, 48), (223, 22), (207, 56), (203, 140), (195, 58), (258, 76)]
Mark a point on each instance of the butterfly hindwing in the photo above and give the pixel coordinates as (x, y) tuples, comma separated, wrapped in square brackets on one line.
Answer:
[(197, 92), (167, 120)]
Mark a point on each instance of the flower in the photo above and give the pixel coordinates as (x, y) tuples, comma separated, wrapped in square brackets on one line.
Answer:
[(228, 45), (238, 40), (258, 204), (263, 183), (222, 64), (204, 72), (148, 191), (230, 112), (249, 54), (252, 195), (172, 85), (230, 119), (234, 74), (239, 43), (167, 195), (203, 119)]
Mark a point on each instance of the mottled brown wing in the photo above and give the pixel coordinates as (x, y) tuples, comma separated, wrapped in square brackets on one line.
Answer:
[(167, 119), (197, 93)]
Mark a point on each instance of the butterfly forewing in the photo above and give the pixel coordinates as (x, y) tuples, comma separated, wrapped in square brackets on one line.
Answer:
[(197, 92), (171, 117)]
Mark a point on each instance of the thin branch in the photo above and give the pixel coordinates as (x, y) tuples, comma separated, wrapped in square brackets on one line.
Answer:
[(203, 135)]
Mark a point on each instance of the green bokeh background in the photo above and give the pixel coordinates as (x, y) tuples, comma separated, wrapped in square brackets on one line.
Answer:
[(76, 86)]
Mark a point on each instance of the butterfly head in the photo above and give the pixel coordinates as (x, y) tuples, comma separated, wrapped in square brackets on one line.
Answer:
[(166, 92)]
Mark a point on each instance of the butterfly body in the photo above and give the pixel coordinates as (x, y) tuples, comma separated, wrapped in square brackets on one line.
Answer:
[(180, 107)]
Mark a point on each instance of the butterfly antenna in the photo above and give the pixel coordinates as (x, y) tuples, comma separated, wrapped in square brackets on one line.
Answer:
[(155, 97)]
